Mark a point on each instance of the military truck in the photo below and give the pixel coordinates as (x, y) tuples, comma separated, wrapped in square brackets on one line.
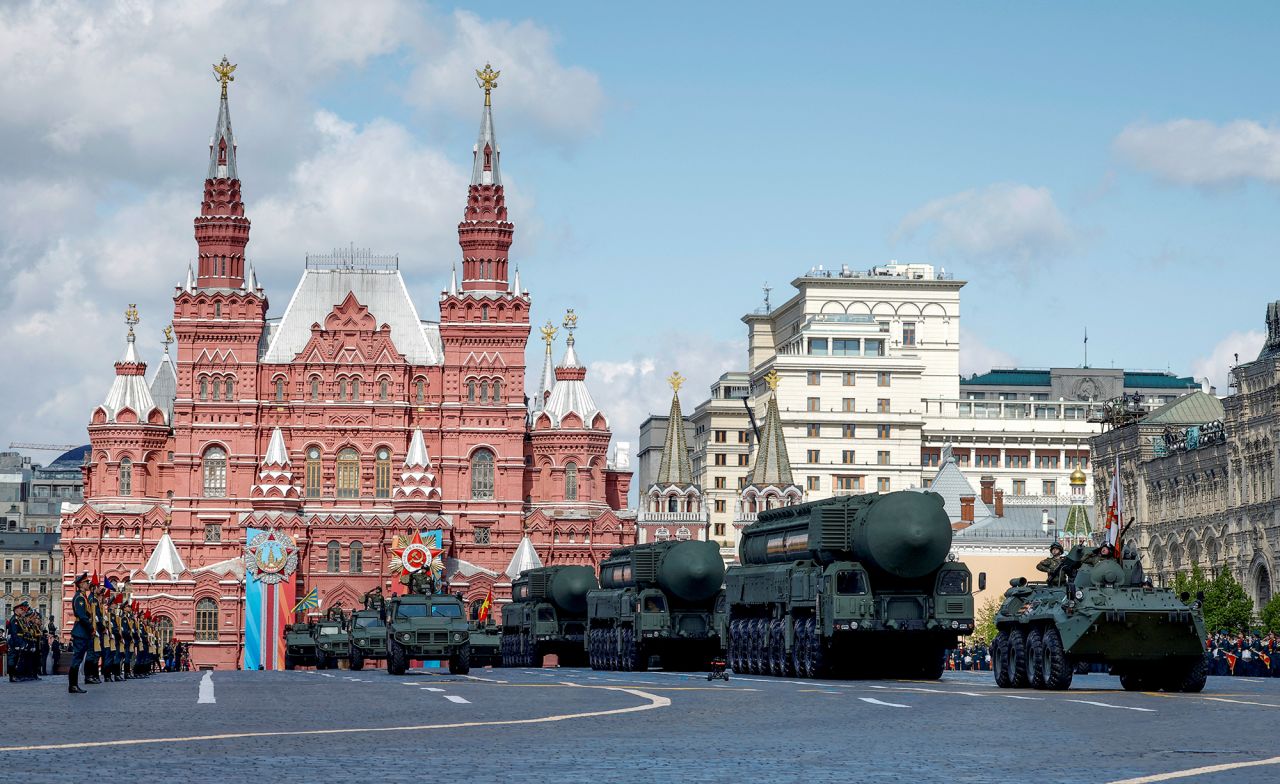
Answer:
[(547, 614), (486, 638), (367, 636), (655, 599), (427, 627), (1098, 609), (332, 643), (299, 646), (862, 584)]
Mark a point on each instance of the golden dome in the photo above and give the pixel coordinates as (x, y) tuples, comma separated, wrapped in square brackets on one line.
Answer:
[(1079, 477)]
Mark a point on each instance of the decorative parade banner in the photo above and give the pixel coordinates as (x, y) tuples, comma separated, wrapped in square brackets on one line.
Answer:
[(270, 560)]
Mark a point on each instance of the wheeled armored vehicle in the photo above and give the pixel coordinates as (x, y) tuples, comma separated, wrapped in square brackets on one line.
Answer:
[(429, 627), (300, 646), (547, 615), (367, 636)]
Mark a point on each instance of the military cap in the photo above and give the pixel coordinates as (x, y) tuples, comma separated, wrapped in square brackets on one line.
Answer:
[(84, 577), (21, 604)]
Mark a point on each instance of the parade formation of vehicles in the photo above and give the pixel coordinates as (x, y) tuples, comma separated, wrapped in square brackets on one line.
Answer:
[(547, 615), (427, 626), (368, 637)]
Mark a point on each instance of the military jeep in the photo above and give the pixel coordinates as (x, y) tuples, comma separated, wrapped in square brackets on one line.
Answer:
[(331, 643), (427, 627), (367, 636), (299, 646)]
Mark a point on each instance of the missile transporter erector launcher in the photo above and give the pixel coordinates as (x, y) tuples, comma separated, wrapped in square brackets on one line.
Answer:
[(656, 599), (852, 584), (547, 614)]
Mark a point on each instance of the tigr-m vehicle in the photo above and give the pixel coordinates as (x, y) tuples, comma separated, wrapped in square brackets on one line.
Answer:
[(368, 637), (547, 614), (332, 643), (861, 583), (486, 641), (1098, 609), (299, 646), (427, 626), (655, 599)]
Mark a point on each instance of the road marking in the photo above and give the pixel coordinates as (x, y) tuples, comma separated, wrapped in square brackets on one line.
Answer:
[(1243, 702), (1189, 772), (457, 699), (474, 678), (430, 688), (206, 689), (1020, 697), (874, 701), (653, 702), (327, 675), (1109, 705)]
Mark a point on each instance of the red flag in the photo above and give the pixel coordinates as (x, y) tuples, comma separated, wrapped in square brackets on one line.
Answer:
[(93, 581), (1265, 659), (1231, 662), (484, 607)]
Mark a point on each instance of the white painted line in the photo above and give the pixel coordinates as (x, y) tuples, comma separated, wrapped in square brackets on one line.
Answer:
[(1189, 772), (457, 699), (483, 680), (874, 701), (1020, 697), (1244, 702), (1109, 705), (327, 675), (430, 688), (206, 689)]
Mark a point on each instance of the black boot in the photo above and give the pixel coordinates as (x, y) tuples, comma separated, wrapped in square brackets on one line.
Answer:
[(91, 673), (73, 676)]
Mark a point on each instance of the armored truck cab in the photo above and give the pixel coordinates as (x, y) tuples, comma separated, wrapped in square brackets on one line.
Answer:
[(656, 599), (299, 646), (367, 637), (547, 615), (486, 642), (1099, 610), (428, 627), (332, 643)]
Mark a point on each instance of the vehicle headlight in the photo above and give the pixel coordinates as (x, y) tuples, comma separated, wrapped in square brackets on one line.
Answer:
[(955, 624), (853, 624), (404, 636), (457, 636), (1079, 595)]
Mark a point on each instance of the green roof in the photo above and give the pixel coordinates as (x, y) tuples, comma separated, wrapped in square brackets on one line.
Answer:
[(1196, 408), (1158, 380), (1012, 377)]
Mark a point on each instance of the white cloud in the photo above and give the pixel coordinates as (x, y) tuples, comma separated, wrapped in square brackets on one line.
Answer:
[(103, 145), (1203, 153), (1234, 348), (978, 357), (1004, 223)]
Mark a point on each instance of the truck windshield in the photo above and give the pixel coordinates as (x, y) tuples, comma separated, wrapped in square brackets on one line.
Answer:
[(953, 582), (330, 630), (367, 623), (655, 604), (850, 582), (446, 610), (411, 611), (546, 614)]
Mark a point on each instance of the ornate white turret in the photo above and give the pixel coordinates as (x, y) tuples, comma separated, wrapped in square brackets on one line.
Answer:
[(524, 559), (418, 486), (569, 394), (275, 479), (129, 390), (164, 558)]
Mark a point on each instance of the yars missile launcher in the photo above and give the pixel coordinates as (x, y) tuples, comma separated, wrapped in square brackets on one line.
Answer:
[(656, 599), (854, 584), (547, 614), (1097, 609)]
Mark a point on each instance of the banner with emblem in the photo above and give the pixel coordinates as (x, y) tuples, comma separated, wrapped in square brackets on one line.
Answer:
[(270, 561)]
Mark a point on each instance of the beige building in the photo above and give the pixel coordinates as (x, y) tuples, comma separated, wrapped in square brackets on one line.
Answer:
[(724, 436)]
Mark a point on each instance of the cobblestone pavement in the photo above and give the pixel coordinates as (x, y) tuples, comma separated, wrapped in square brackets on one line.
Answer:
[(569, 725)]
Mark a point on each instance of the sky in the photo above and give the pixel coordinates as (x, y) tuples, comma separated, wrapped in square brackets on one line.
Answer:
[(1092, 166)]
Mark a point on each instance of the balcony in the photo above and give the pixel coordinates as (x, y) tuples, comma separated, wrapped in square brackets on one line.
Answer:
[(671, 517)]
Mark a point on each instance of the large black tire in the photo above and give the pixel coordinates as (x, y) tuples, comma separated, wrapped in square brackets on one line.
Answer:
[(397, 664), (357, 659), (1192, 678), (1018, 659), (1001, 667), (800, 649), (1055, 666), (818, 660), (933, 665), (288, 662), (1133, 681), (1035, 657), (460, 662)]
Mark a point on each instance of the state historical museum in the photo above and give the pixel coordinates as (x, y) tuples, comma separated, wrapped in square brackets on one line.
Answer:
[(344, 422)]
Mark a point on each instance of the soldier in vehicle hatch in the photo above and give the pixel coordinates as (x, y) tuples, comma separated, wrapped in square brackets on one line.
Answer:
[(1096, 555), (1052, 566)]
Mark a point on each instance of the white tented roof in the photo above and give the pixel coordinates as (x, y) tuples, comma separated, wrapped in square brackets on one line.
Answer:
[(164, 558), (525, 558), (382, 291)]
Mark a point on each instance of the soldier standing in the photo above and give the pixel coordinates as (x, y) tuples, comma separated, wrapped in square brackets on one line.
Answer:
[(1052, 565), (81, 632), (16, 633)]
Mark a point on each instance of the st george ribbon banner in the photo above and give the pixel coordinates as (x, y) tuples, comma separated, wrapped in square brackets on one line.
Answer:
[(270, 559)]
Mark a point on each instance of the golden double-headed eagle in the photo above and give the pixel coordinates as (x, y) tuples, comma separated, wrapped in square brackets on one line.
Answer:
[(222, 72)]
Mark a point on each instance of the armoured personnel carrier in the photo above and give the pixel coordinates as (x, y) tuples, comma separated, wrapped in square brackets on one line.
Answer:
[(299, 646), (659, 600), (863, 584), (429, 627), (1097, 609), (367, 636), (547, 614)]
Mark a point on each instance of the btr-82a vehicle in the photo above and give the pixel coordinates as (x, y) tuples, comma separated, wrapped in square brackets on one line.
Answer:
[(427, 626), (1098, 609)]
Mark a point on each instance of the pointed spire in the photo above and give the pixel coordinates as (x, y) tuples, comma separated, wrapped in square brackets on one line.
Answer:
[(515, 284), (129, 388), (570, 354), (453, 281), (164, 558), (484, 233), (277, 455), (251, 281), (675, 468), (772, 466), (221, 229), (190, 285), (548, 381), (525, 558), (484, 167), (418, 490), (222, 147), (417, 455)]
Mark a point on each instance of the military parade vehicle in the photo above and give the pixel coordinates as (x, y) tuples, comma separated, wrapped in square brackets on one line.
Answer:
[(860, 584), (427, 626), (486, 640), (332, 642), (1098, 609), (367, 636), (547, 615), (655, 599), (299, 646)]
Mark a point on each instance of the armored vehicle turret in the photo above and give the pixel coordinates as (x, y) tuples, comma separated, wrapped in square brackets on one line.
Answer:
[(299, 646), (861, 583), (1098, 609), (659, 600), (427, 627), (367, 635), (547, 614)]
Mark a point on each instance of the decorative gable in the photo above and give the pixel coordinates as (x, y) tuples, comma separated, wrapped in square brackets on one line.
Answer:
[(350, 336)]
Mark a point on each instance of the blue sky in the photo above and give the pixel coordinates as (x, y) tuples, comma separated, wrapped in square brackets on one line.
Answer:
[(1081, 164)]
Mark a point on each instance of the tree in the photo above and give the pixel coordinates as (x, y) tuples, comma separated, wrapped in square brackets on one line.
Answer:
[(984, 625), (1191, 583), (1271, 615), (1226, 605)]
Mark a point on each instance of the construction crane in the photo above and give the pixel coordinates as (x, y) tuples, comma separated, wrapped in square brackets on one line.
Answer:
[(44, 447)]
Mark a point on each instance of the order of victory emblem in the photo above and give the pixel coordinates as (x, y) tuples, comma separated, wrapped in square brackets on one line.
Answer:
[(271, 557), (414, 555)]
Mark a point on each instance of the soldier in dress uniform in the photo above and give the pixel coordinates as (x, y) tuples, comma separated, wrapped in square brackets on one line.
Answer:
[(16, 631), (93, 656), (81, 632)]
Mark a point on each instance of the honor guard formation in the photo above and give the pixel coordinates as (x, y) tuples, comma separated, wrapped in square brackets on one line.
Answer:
[(113, 638)]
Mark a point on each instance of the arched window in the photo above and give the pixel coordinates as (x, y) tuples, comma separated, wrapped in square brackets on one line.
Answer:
[(217, 310), (482, 474), (313, 472), (230, 389), (382, 473), (356, 564), (204, 388), (673, 504), (495, 392), (484, 391), (126, 477), (315, 388), (206, 621), (342, 388), (217, 388), (682, 533), (662, 534), (383, 388), (571, 481), (420, 390), (484, 312), (215, 472), (164, 628), (348, 474), (471, 391), (355, 389), (334, 552), (279, 389)]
